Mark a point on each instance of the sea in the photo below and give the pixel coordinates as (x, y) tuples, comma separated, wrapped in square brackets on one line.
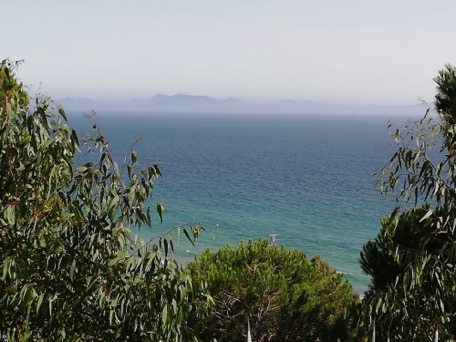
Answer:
[(309, 179)]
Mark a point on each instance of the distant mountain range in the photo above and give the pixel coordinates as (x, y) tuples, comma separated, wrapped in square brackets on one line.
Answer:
[(182, 103)]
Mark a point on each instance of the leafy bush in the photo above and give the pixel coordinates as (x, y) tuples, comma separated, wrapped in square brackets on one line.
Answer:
[(69, 267)]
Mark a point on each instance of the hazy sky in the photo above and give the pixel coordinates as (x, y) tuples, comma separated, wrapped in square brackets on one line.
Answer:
[(350, 51)]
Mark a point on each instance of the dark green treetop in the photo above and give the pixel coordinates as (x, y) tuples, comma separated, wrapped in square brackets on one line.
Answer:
[(284, 295), (445, 98)]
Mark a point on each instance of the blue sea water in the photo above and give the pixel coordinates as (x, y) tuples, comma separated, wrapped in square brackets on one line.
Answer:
[(308, 179)]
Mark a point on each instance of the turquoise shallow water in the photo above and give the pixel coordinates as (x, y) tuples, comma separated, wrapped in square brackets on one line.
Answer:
[(308, 179)]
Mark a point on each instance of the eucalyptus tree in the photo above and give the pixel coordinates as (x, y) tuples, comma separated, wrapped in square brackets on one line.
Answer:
[(70, 267), (412, 261)]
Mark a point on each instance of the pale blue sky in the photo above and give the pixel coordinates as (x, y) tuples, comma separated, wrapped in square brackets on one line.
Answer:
[(351, 51)]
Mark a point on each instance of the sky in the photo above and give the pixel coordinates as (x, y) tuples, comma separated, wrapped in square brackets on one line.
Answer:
[(348, 52)]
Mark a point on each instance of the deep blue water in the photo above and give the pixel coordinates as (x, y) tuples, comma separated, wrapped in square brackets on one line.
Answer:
[(307, 178)]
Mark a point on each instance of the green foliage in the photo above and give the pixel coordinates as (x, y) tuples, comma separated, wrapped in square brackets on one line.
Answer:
[(284, 295), (70, 270), (408, 285), (445, 99), (412, 261), (11, 88)]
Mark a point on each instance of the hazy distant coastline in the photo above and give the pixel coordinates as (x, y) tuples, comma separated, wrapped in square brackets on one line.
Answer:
[(184, 103)]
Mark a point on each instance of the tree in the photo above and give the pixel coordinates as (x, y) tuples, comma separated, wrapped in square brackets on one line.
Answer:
[(445, 99), (406, 295), (11, 88), (412, 295), (284, 295), (70, 268)]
